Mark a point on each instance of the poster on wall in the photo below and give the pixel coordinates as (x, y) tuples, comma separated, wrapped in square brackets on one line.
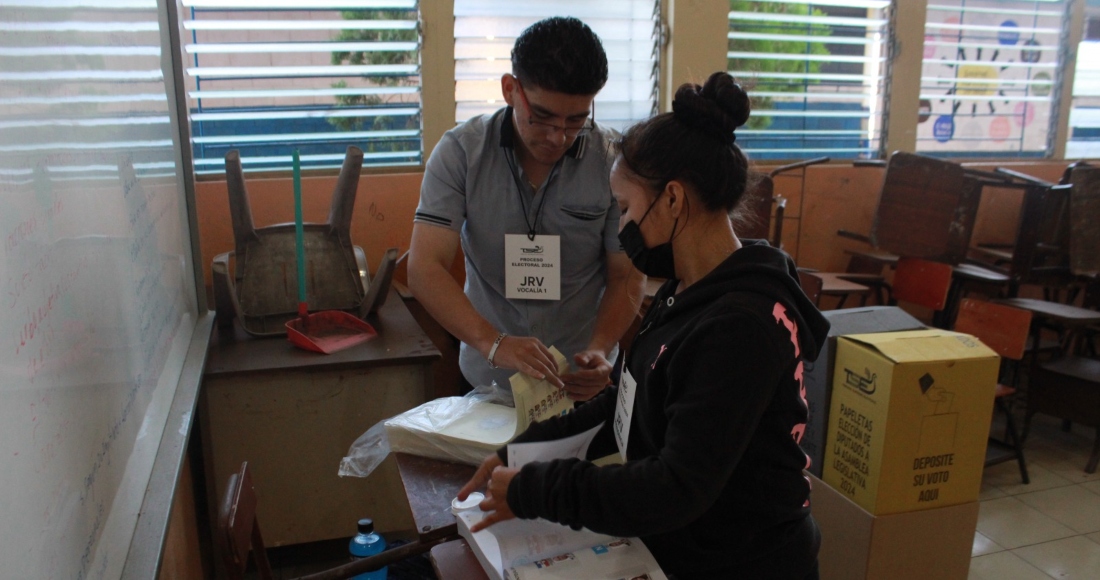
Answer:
[(987, 83)]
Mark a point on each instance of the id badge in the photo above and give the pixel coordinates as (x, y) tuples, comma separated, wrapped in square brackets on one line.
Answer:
[(624, 408), (532, 268)]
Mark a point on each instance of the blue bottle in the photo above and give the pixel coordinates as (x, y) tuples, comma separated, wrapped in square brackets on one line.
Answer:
[(367, 543)]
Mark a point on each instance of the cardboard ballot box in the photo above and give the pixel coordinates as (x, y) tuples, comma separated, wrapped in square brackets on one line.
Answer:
[(817, 375), (909, 419), (856, 545)]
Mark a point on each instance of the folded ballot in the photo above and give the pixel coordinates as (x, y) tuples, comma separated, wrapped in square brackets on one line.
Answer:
[(466, 429), (541, 550)]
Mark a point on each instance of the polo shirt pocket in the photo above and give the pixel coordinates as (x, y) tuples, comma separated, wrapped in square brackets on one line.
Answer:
[(585, 212)]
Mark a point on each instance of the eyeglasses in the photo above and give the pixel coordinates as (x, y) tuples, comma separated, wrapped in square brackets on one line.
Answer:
[(570, 130)]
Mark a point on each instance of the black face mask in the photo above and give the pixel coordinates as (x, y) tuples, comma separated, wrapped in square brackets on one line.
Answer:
[(656, 262)]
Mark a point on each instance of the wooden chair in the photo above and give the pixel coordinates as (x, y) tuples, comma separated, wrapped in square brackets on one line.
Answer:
[(1084, 226), (1040, 254), (1003, 329), (926, 209), (1069, 386), (238, 532), (831, 284), (754, 220), (923, 283), (811, 286), (250, 283)]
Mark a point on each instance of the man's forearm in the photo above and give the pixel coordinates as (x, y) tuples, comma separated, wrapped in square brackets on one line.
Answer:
[(443, 298), (619, 306)]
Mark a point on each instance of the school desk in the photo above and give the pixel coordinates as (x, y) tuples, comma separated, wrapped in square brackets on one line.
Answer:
[(455, 560), (293, 414), (430, 485)]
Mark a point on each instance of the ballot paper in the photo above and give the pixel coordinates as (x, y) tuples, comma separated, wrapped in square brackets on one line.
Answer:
[(520, 454), (541, 550), (466, 429)]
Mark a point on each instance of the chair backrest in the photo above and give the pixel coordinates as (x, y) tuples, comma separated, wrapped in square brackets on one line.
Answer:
[(1002, 328), (1084, 225), (811, 286), (1041, 254), (238, 531), (926, 209), (922, 282), (754, 218)]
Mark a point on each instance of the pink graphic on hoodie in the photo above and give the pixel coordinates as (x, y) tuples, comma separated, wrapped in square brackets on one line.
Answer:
[(780, 314)]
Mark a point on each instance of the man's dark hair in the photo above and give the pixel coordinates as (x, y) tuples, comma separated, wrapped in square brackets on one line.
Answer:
[(560, 54)]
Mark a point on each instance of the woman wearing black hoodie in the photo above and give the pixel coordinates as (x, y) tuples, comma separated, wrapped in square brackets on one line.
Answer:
[(712, 481)]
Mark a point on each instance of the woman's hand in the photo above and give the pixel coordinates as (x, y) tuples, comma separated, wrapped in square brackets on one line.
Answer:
[(495, 504), (481, 476), (491, 472)]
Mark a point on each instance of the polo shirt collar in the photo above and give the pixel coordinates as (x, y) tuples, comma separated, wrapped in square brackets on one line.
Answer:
[(508, 136)]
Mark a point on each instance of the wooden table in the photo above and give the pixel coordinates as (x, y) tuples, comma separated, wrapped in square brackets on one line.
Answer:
[(293, 414), (886, 258), (836, 284), (998, 254), (430, 485), (1063, 314), (455, 561)]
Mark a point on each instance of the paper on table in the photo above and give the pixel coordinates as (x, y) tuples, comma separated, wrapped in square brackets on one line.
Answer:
[(517, 542), (520, 454), (542, 550)]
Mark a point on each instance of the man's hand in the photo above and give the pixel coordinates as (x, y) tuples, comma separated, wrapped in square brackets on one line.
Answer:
[(529, 356), (593, 376)]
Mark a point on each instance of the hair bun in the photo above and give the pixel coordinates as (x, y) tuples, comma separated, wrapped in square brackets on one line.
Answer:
[(718, 107)]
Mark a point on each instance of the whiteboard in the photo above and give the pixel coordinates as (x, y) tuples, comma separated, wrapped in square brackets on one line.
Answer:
[(98, 301)]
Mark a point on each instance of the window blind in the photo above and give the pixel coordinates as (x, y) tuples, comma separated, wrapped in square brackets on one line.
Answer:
[(990, 78), (79, 83), (816, 73), (1084, 118), (268, 76), (485, 31)]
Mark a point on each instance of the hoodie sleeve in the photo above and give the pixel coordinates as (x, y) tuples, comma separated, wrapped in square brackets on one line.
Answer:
[(722, 377)]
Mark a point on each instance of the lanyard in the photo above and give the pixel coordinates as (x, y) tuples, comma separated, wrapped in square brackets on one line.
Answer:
[(531, 228)]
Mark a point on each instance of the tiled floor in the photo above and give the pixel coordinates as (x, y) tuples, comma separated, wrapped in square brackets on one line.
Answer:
[(1049, 528)]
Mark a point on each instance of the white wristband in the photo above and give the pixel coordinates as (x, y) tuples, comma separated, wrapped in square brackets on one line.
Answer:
[(493, 349)]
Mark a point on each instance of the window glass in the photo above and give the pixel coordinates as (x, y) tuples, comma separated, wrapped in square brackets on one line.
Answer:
[(816, 72), (268, 76), (990, 77), (485, 31)]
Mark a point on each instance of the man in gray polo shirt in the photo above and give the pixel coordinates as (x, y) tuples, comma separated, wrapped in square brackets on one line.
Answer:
[(525, 191)]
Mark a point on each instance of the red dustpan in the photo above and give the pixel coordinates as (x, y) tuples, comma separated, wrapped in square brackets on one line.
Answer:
[(330, 330)]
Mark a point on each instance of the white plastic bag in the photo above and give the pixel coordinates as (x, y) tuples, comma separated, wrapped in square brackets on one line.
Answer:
[(446, 428)]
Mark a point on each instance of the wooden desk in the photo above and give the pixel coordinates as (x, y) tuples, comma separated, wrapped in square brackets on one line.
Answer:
[(886, 258), (998, 254), (455, 561), (836, 284), (1062, 314), (430, 485), (293, 414)]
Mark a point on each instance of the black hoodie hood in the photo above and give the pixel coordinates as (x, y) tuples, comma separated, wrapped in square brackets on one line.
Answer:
[(760, 269)]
